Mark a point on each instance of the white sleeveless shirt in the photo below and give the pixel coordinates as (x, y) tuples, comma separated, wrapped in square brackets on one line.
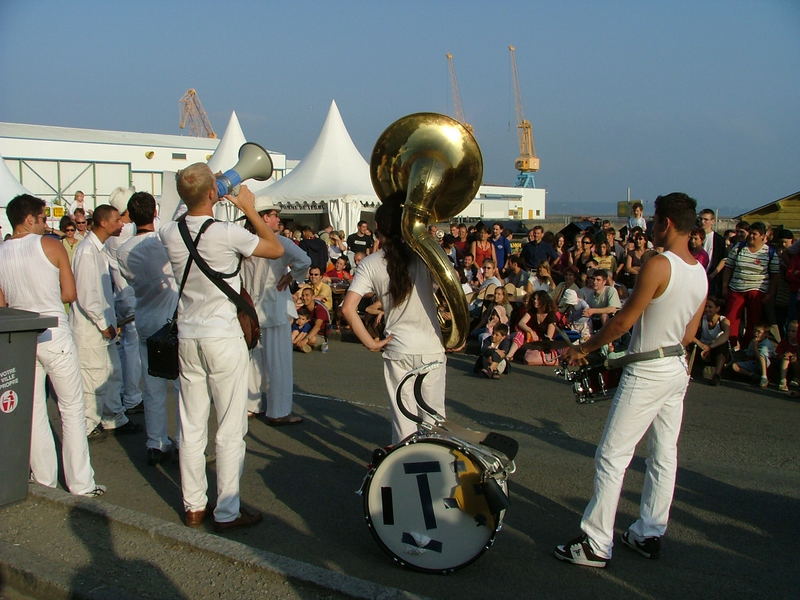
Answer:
[(664, 320), (29, 280)]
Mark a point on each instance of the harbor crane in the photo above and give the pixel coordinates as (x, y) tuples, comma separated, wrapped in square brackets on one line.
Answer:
[(527, 163), (194, 115), (457, 106)]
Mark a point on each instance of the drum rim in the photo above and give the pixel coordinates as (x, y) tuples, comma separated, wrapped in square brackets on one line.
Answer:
[(373, 531)]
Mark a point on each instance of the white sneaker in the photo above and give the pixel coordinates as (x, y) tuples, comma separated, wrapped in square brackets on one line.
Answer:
[(98, 490)]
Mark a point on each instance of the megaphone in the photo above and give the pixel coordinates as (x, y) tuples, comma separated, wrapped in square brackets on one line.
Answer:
[(254, 163)]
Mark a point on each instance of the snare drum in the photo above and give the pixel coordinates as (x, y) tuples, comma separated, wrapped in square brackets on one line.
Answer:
[(426, 507)]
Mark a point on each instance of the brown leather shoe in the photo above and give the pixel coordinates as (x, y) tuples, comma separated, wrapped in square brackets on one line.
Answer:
[(194, 518), (247, 518)]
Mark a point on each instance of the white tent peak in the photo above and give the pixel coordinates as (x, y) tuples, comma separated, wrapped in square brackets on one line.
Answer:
[(10, 188), (333, 171), (227, 153)]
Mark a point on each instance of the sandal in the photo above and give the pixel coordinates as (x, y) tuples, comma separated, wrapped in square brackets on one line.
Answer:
[(495, 374), (290, 419)]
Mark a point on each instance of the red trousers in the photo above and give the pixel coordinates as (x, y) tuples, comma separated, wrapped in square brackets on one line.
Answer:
[(739, 303)]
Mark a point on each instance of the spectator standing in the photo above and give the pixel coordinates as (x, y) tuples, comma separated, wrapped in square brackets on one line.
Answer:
[(749, 281), (316, 249), (696, 239), (502, 247), (637, 217), (361, 240), (79, 217), (714, 245), (69, 241), (483, 249), (35, 275), (212, 353)]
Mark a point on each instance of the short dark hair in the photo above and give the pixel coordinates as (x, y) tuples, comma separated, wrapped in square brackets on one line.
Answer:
[(698, 231), (102, 213), (679, 208), (759, 227), (22, 206), (600, 273), (501, 328), (142, 208), (707, 211), (360, 223), (79, 211)]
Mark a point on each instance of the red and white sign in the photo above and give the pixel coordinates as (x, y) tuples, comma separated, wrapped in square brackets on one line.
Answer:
[(8, 401)]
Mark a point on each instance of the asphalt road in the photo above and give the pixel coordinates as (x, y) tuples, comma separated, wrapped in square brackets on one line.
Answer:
[(734, 522)]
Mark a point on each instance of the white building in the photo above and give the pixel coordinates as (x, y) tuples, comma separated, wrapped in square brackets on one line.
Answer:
[(501, 202), (55, 162)]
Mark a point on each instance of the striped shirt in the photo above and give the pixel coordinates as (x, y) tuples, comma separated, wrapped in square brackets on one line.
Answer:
[(751, 270)]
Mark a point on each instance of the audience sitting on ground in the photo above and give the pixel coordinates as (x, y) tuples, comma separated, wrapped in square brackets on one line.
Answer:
[(496, 310), (339, 273), (494, 349), (757, 356), (319, 317), (536, 324), (603, 299), (300, 329), (787, 352), (336, 245), (543, 280), (712, 340), (568, 284), (321, 290)]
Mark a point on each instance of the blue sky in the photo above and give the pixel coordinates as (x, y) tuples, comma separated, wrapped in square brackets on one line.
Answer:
[(698, 96)]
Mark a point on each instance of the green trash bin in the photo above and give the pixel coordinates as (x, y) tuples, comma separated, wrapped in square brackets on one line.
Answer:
[(18, 332)]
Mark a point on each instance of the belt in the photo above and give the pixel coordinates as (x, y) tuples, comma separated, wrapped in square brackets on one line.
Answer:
[(662, 352)]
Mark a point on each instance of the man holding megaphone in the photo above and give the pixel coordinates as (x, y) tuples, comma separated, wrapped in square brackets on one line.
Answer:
[(213, 355)]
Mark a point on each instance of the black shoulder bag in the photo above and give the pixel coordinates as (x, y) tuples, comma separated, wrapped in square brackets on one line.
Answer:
[(245, 311), (162, 346)]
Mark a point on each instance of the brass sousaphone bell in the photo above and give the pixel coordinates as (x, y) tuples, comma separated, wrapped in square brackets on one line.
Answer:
[(437, 165)]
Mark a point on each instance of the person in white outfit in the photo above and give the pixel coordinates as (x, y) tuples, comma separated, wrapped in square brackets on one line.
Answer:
[(268, 281), (94, 325), (404, 285), (212, 353), (125, 306), (665, 311), (144, 263), (35, 275)]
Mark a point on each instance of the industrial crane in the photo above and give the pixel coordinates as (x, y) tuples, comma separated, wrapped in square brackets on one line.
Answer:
[(527, 162), (457, 106), (194, 115)]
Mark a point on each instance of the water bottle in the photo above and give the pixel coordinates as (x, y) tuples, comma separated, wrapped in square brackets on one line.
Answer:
[(324, 346)]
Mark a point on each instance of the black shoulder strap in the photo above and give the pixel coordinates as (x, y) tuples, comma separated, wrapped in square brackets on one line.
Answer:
[(189, 261), (215, 277)]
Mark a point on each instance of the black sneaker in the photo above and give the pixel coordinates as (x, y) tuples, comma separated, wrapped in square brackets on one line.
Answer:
[(579, 552), (649, 547), (98, 434)]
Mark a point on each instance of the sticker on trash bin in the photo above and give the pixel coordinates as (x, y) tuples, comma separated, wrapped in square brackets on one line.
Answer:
[(8, 401), (8, 378)]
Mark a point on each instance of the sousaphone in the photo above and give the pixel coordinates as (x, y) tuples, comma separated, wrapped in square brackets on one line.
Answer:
[(436, 164)]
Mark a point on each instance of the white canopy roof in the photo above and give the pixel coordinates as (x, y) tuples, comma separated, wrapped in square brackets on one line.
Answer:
[(10, 187), (333, 172)]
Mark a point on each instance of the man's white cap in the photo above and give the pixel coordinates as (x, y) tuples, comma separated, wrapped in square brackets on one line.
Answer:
[(570, 297), (118, 198)]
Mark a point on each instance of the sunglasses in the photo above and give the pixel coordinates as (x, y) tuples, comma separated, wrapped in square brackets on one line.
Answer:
[(68, 229), (80, 222)]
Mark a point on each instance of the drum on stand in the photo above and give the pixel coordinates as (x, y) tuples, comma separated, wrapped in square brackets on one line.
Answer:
[(432, 504)]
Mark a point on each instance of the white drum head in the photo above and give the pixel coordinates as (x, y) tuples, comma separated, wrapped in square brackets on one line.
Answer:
[(426, 508)]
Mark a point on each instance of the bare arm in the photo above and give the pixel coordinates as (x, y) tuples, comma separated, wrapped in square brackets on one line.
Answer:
[(268, 244), (57, 254), (350, 312)]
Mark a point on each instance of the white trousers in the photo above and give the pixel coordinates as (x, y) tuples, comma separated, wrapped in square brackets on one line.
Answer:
[(641, 403), (130, 359), (101, 374), (58, 359), (213, 369), (155, 405), (433, 389), (271, 372)]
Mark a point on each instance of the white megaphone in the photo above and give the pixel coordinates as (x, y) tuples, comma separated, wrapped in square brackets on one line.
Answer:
[(254, 163)]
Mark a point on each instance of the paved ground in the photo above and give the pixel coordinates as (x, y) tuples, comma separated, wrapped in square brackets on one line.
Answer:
[(734, 520)]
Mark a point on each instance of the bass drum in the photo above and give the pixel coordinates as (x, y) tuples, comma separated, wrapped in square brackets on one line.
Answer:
[(426, 507)]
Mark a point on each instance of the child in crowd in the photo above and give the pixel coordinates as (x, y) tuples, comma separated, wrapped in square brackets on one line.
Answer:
[(494, 351), (758, 354), (300, 328), (787, 350), (572, 308)]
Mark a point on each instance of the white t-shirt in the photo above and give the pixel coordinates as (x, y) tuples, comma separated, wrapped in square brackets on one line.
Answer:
[(413, 324), (143, 262), (204, 311)]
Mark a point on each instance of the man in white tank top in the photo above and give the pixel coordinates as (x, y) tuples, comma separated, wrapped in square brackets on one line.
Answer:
[(664, 310), (35, 275)]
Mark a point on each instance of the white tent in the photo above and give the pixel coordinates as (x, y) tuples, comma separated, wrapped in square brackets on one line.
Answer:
[(10, 187), (333, 173)]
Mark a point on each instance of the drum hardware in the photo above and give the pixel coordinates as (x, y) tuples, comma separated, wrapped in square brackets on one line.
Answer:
[(588, 382), (459, 479)]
